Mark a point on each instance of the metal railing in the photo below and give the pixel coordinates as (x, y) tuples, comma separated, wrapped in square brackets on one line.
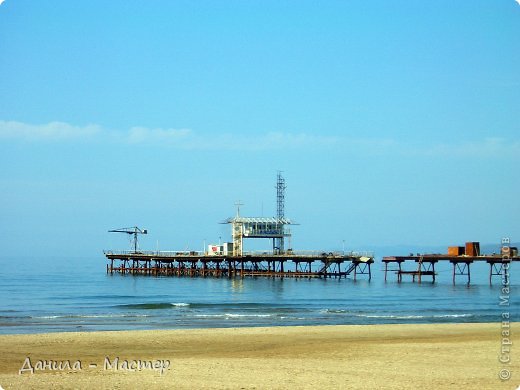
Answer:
[(154, 253), (313, 254)]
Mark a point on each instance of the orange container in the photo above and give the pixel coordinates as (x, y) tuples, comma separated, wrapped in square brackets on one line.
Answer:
[(455, 250), (473, 248)]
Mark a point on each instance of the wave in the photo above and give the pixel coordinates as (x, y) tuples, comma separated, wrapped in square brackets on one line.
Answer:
[(202, 305), (153, 306), (64, 316), (232, 315), (333, 311), (292, 318), (411, 316), (394, 316)]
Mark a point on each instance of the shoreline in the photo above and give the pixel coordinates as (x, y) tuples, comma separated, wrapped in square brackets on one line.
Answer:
[(396, 356), (201, 328)]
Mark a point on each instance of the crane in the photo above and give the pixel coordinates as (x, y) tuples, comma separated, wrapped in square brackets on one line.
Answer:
[(133, 231)]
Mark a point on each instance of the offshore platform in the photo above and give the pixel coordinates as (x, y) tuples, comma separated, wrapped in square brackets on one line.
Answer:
[(229, 259)]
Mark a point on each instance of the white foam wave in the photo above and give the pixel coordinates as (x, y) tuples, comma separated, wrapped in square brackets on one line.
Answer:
[(412, 317), (232, 315), (91, 316), (333, 311), (394, 316)]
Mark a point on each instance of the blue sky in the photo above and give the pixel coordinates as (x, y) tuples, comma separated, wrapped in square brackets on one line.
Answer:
[(394, 122)]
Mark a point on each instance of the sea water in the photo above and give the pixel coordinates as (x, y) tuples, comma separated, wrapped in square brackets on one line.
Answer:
[(76, 294)]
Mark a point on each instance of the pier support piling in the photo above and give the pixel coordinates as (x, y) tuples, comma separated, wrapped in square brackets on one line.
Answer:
[(461, 268)]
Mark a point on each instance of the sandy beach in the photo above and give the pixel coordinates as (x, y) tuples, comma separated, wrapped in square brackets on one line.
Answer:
[(321, 357)]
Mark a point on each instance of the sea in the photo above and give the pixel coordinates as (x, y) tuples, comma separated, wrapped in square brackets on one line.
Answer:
[(68, 294)]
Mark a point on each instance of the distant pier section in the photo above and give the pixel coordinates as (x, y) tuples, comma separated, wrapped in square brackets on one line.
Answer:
[(461, 258)]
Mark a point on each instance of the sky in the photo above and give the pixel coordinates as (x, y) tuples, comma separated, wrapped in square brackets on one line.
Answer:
[(394, 122)]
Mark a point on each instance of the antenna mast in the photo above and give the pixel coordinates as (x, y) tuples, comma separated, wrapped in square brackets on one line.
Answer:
[(238, 204), (280, 196), (280, 208)]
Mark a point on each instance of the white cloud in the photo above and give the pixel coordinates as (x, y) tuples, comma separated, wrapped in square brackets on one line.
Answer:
[(488, 147), (186, 139), (268, 141), (189, 140), (49, 131), (169, 136), (518, 1), (173, 138)]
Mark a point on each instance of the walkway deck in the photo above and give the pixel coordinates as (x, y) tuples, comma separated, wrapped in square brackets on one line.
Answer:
[(195, 264), (425, 265)]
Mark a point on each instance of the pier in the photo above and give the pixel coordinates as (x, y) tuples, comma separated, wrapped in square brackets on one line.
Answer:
[(204, 264), (230, 259), (425, 265)]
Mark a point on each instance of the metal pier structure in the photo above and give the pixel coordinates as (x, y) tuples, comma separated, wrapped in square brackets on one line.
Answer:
[(201, 264), (229, 259), (425, 265)]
